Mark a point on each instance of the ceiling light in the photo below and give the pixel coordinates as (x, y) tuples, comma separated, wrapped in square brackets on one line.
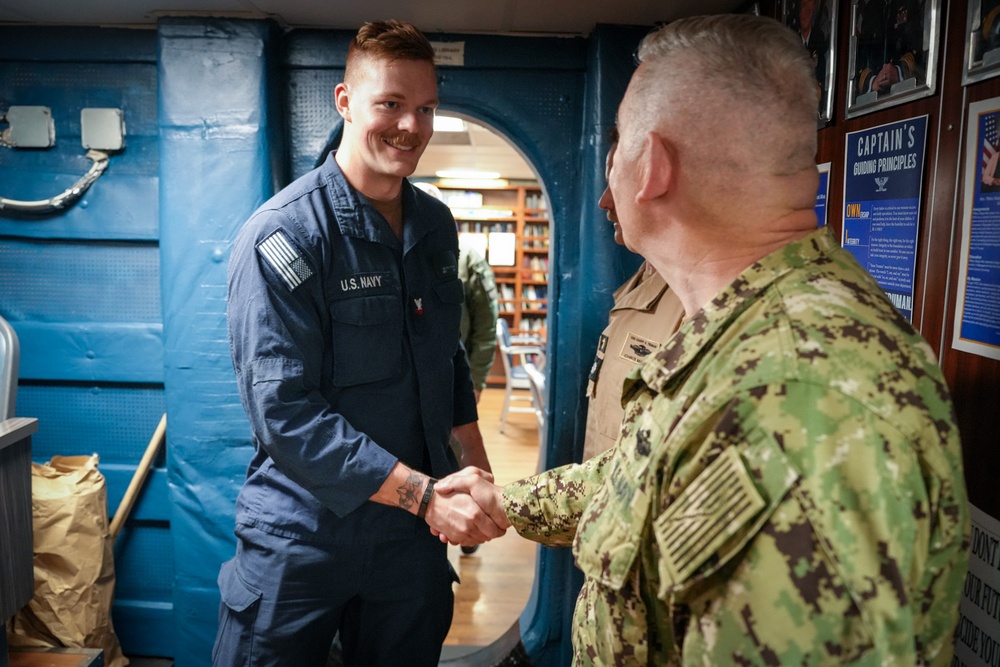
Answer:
[(466, 173), (474, 183), (448, 124)]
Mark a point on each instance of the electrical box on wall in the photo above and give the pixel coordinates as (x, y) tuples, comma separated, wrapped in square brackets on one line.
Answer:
[(102, 129), (30, 127)]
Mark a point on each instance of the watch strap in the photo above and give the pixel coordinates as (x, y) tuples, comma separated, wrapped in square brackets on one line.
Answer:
[(426, 499)]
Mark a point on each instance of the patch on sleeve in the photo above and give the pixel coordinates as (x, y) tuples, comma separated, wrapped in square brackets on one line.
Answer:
[(285, 259), (445, 264), (713, 508)]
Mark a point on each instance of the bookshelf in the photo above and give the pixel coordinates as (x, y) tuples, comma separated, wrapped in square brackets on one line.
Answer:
[(512, 224)]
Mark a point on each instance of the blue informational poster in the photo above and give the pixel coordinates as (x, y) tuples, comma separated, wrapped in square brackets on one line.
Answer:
[(883, 178), (977, 308), (821, 193)]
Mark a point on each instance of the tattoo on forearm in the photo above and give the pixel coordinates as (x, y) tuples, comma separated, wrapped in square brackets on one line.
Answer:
[(409, 492)]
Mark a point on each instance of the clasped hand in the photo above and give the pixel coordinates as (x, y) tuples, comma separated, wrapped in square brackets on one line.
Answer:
[(886, 77), (467, 508)]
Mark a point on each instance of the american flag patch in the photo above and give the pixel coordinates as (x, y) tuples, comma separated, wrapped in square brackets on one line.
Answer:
[(285, 259), (712, 509)]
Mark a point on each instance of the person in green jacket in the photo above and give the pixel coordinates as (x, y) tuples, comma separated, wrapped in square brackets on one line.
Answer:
[(479, 314)]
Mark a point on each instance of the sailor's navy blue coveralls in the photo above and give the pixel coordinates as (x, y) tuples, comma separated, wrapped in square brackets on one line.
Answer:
[(345, 345)]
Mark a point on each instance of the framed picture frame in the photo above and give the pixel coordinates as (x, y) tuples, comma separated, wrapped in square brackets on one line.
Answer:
[(975, 329), (894, 53), (982, 43), (815, 22)]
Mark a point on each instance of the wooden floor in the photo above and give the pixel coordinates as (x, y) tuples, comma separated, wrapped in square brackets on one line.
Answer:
[(497, 579)]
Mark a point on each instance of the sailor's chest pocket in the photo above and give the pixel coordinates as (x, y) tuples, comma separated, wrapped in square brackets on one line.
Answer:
[(367, 336)]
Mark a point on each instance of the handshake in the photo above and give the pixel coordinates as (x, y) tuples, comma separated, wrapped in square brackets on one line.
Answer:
[(467, 508)]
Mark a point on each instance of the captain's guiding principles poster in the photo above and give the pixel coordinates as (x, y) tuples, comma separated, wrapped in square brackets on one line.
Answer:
[(977, 306), (883, 176)]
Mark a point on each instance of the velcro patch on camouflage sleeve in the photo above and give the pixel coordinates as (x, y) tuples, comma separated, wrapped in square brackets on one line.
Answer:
[(711, 510)]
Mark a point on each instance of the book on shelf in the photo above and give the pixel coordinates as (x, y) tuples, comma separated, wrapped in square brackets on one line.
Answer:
[(534, 326), (535, 267), (507, 298), (535, 200), (536, 237), (535, 293), (477, 227)]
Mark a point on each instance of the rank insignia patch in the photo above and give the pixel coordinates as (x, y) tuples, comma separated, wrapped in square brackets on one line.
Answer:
[(285, 259)]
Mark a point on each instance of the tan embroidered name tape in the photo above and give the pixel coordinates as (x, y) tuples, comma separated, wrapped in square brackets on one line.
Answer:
[(720, 501), (636, 348)]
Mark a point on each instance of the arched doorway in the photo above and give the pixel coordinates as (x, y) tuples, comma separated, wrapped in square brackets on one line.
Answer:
[(502, 214)]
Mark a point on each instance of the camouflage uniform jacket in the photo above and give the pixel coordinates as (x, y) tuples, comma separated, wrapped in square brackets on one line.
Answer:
[(479, 312), (787, 488)]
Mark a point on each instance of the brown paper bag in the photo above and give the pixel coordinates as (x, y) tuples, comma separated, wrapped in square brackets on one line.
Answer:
[(74, 562)]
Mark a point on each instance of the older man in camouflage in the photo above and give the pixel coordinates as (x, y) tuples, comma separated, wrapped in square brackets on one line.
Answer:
[(787, 488)]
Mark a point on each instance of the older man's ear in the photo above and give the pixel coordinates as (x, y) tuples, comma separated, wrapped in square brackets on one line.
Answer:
[(657, 167)]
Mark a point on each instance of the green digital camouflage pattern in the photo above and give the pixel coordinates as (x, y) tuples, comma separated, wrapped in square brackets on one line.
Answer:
[(479, 314), (787, 490)]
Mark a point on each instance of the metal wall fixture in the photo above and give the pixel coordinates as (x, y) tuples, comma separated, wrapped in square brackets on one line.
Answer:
[(102, 131)]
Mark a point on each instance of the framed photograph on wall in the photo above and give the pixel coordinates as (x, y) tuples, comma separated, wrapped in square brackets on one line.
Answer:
[(814, 21), (977, 327), (894, 53), (982, 43)]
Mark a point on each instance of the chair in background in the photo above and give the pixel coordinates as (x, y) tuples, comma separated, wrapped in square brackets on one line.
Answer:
[(536, 379), (517, 354), (9, 360), (17, 583)]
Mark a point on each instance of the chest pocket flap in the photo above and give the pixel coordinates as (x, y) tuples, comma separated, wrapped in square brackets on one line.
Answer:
[(367, 338), (365, 311), (720, 511)]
